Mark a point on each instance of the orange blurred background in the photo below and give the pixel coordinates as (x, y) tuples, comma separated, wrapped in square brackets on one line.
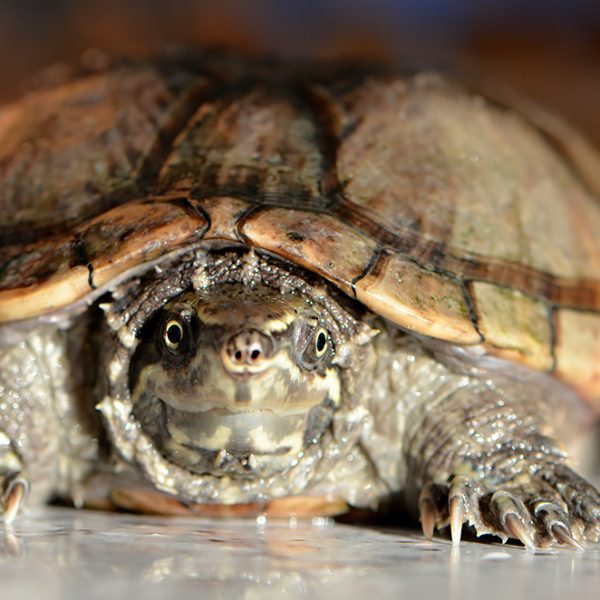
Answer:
[(548, 49)]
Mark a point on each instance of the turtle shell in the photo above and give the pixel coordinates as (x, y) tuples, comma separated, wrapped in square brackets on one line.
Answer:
[(441, 209)]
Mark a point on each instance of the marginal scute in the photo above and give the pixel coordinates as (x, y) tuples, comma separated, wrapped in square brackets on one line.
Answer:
[(578, 351), (318, 242), (514, 325), (417, 300), (139, 233), (62, 290), (120, 240)]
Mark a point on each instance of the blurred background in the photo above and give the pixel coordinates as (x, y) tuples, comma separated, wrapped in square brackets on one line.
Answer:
[(548, 49)]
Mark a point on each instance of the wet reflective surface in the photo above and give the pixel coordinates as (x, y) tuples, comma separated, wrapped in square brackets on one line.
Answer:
[(63, 553)]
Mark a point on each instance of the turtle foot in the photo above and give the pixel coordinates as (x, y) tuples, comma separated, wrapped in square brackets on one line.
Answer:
[(554, 507)]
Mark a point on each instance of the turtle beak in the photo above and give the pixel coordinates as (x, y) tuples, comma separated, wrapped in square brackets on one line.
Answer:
[(247, 352)]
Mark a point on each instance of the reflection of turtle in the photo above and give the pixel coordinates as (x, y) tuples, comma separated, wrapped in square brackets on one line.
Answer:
[(275, 287)]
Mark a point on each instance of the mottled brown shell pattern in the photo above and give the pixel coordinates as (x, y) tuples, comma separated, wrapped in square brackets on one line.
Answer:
[(446, 212)]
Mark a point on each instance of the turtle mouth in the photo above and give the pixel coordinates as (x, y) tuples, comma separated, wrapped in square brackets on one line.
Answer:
[(258, 432), (244, 443)]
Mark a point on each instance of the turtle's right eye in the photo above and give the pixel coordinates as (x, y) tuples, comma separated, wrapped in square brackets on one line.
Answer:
[(173, 334)]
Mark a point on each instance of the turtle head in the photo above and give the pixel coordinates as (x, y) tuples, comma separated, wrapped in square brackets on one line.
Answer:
[(237, 380)]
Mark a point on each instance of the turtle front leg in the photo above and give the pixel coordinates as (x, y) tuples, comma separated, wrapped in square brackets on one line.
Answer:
[(477, 456), (13, 484), (45, 438)]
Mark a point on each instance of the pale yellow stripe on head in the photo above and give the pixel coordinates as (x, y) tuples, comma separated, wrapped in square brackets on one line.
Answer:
[(281, 323), (265, 441)]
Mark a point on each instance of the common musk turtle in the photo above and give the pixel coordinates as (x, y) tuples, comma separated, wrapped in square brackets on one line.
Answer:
[(232, 284)]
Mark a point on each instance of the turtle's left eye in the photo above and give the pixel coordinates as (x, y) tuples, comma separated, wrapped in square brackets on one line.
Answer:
[(312, 342), (321, 342)]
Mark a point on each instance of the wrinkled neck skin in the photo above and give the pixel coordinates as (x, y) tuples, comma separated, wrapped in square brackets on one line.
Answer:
[(198, 428)]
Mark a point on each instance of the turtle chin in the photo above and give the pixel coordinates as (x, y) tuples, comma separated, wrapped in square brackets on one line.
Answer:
[(244, 444)]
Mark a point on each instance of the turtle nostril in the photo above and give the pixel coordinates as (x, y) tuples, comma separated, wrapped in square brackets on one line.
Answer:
[(247, 348)]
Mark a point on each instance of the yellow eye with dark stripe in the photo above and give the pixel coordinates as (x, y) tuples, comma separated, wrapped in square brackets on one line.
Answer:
[(173, 334), (320, 342)]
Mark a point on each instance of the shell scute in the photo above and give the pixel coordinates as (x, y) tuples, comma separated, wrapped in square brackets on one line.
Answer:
[(427, 158), (255, 144), (71, 152), (418, 300), (446, 212), (316, 241), (224, 213), (578, 350), (517, 326)]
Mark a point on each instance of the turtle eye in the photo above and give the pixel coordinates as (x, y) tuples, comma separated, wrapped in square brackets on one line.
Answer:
[(177, 335), (173, 334), (320, 342), (313, 343)]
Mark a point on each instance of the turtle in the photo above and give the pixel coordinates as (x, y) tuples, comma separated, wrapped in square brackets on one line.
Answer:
[(238, 286)]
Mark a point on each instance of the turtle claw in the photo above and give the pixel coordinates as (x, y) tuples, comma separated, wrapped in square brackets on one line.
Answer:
[(513, 517), (457, 517), (520, 530), (427, 516), (440, 506), (433, 511), (563, 535), (13, 499), (463, 505), (533, 513), (555, 523)]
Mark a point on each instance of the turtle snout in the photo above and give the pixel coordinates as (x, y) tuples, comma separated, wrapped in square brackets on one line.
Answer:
[(246, 350)]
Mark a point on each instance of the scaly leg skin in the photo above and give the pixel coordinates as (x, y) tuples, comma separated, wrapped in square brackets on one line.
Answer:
[(13, 485), (477, 458), (47, 436)]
